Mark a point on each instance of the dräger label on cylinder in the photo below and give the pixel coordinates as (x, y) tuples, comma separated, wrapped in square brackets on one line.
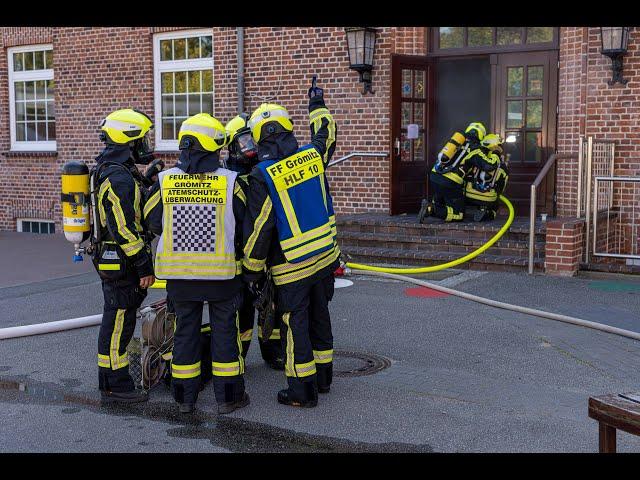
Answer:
[(296, 169), (198, 189)]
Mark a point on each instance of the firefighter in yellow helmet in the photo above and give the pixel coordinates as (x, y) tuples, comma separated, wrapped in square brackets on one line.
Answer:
[(197, 208), (486, 181), (290, 230), (446, 179), (122, 256), (243, 156)]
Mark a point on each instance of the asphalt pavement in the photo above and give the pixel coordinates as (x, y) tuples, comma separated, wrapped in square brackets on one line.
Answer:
[(458, 376)]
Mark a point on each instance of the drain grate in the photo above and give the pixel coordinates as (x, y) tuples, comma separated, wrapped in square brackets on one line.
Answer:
[(357, 364)]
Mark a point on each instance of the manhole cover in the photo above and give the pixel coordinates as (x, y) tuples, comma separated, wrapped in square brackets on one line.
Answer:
[(357, 364)]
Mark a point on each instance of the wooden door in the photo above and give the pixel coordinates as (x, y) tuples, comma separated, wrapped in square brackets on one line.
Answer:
[(525, 112), (411, 104)]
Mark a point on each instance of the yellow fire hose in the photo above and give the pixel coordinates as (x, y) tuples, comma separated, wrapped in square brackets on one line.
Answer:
[(452, 263)]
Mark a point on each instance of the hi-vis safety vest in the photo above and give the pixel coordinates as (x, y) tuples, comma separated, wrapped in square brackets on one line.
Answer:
[(198, 226), (303, 207)]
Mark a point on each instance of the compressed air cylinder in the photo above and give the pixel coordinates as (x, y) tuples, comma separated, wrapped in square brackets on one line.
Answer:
[(452, 146), (75, 201)]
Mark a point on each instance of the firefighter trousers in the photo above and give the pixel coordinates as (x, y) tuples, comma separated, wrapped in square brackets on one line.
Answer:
[(271, 348), (448, 199), (122, 298), (227, 363), (306, 335)]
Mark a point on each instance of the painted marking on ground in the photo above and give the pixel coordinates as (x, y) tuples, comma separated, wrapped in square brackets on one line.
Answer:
[(424, 292), (613, 286)]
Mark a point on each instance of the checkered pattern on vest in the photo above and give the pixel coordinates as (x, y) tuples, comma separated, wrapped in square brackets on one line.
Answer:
[(194, 228)]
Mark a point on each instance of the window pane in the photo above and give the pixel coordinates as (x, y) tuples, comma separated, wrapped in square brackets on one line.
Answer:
[(406, 114), (418, 114), (180, 82), (41, 131), (39, 60), (478, 36), (18, 62), (407, 89), (28, 60), (509, 35), (19, 88), (20, 134), (193, 47), (51, 130), (165, 50), (405, 148), (20, 113), (534, 113), (31, 111), (534, 80), (539, 34), (514, 81), (167, 106), (41, 93), (179, 49), (179, 124), (167, 129), (206, 46), (207, 81), (418, 149), (207, 103), (35, 227), (533, 147), (50, 89), (51, 110), (418, 85), (514, 148), (48, 60), (30, 90), (40, 110), (514, 114), (31, 132), (451, 37), (181, 105), (166, 79), (194, 81), (194, 104)]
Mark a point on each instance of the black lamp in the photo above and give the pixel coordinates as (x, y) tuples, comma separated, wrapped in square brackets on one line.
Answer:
[(362, 43), (614, 46)]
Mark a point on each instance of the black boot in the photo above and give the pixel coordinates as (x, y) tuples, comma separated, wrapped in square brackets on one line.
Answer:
[(186, 407), (325, 376), (228, 407), (426, 209), (299, 394), (230, 394), (132, 396)]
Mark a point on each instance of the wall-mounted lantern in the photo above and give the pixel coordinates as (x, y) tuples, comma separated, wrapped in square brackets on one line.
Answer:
[(362, 43), (614, 46)]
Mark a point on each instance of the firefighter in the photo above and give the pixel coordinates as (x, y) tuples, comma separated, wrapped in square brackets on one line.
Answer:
[(486, 181), (290, 230), (197, 209), (243, 156), (447, 175), (122, 256)]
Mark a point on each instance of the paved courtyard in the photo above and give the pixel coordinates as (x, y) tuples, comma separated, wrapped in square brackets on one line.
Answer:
[(461, 377)]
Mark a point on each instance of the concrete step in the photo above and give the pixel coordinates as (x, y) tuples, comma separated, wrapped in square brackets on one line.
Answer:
[(463, 245), (485, 261)]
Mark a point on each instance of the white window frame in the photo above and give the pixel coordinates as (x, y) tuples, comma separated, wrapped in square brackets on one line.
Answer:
[(26, 76), (39, 220), (172, 66)]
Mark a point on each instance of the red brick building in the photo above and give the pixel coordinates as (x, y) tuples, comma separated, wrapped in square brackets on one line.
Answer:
[(543, 86)]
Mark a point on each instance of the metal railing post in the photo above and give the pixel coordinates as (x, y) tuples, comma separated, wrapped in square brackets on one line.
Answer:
[(532, 227)]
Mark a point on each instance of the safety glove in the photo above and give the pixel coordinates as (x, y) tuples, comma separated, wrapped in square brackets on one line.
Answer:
[(315, 91)]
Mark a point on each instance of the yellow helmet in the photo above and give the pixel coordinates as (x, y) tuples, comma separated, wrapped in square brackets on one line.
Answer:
[(236, 125), (263, 120), (493, 142), (209, 134), (124, 126), (476, 128)]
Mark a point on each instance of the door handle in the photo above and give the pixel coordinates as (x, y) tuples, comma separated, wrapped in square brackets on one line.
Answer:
[(396, 146)]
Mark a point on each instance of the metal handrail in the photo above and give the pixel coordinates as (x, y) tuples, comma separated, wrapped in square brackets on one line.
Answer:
[(357, 154), (532, 209)]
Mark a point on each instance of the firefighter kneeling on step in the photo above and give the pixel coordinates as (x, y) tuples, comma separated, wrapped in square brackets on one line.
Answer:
[(198, 211), (122, 256), (243, 156), (290, 229), (484, 186), (446, 178)]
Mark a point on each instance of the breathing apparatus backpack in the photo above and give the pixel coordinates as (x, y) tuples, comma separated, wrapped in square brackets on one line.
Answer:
[(452, 153)]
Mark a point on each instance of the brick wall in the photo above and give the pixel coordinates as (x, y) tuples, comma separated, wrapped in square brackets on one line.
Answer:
[(564, 246), (100, 69)]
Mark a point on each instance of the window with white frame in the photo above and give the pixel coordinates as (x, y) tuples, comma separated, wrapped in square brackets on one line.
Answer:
[(31, 103), (35, 225), (183, 72)]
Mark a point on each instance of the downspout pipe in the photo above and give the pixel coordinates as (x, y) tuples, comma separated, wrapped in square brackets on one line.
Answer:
[(240, 35)]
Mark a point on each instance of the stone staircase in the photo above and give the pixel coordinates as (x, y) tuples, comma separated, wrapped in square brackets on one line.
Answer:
[(378, 238)]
